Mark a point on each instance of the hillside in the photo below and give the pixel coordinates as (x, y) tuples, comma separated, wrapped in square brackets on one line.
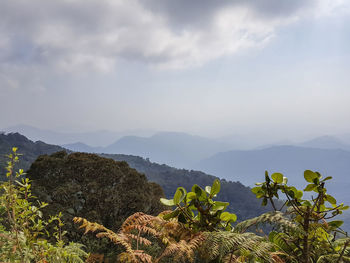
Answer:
[(30, 150), (242, 201)]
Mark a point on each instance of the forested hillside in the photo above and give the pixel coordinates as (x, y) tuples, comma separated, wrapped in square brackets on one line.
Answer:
[(241, 200), (30, 150)]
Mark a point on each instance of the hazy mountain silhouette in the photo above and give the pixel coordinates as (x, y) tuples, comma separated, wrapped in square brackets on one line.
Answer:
[(94, 138), (326, 142), (173, 148), (248, 166)]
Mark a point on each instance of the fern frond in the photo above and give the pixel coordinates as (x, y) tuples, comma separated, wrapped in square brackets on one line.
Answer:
[(276, 219), (218, 245)]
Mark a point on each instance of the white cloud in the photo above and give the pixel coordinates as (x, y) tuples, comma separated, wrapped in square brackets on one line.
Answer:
[(80, 35)]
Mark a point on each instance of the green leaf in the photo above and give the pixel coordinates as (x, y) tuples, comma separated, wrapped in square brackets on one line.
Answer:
[(256, 189), (208, 189), (299, 194), (327, 178), (330, 199), (310, 187), (335, 223), (310, 176), (191, 196), (277, 177), (173, 214), (179, 195), (264, 202), (346, 207), (215, 188), (167, 202), (226, 216), (219, 205)]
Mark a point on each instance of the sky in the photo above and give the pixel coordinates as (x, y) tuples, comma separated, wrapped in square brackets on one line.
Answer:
[(272, 68)]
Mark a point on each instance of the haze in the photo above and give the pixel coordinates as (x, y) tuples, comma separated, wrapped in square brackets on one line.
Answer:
[(272, 68)]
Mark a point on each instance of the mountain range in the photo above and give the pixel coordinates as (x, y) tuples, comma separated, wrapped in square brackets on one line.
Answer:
[(245, 166)]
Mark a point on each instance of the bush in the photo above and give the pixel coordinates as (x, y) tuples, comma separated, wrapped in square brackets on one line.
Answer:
[(23, 234)]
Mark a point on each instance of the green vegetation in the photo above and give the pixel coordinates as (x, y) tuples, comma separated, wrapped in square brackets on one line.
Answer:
[(98, 189), (116, 203), (312, 237), (199, 229), (23, 234)]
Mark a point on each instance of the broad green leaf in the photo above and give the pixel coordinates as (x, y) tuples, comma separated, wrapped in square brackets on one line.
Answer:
[(277, 177), (167, 202), (198, 190), (330, 199), (299, 194), (215, 188), (219, 205), (208, 189), (310, 176), (335, 223), (179, 195), (346, 207), (191, 196), (226, 216), (255, 190), (310, 187)]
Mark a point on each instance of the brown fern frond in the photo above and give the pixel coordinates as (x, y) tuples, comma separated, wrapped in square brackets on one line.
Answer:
[(88, 226), (142, 240)]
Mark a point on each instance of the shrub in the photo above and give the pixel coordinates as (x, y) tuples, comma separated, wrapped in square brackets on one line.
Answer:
[(23, 234)]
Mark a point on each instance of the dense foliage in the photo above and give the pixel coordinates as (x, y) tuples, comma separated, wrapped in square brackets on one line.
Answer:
[(99, 189), (199, 229), (23, 231)]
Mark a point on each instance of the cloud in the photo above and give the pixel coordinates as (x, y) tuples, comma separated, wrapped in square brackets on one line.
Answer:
[(82, 35)]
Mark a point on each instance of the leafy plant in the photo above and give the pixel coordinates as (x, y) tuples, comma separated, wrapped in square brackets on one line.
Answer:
[(198, 211), (197, 229), (23, 234), (306, 234)]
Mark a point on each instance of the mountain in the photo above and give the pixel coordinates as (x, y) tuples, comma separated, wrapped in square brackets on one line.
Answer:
[(242, 201), (176, 149), (326, 142), (82, 147), (30, 150), (248, 166), (95, 138)]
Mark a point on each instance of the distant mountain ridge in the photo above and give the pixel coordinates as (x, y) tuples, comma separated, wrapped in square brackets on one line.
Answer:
[(173, 148), (326, 142), (95, 138), (248, 166)]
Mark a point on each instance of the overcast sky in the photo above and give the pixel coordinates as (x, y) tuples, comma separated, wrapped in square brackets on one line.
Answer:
[(212, 68)]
